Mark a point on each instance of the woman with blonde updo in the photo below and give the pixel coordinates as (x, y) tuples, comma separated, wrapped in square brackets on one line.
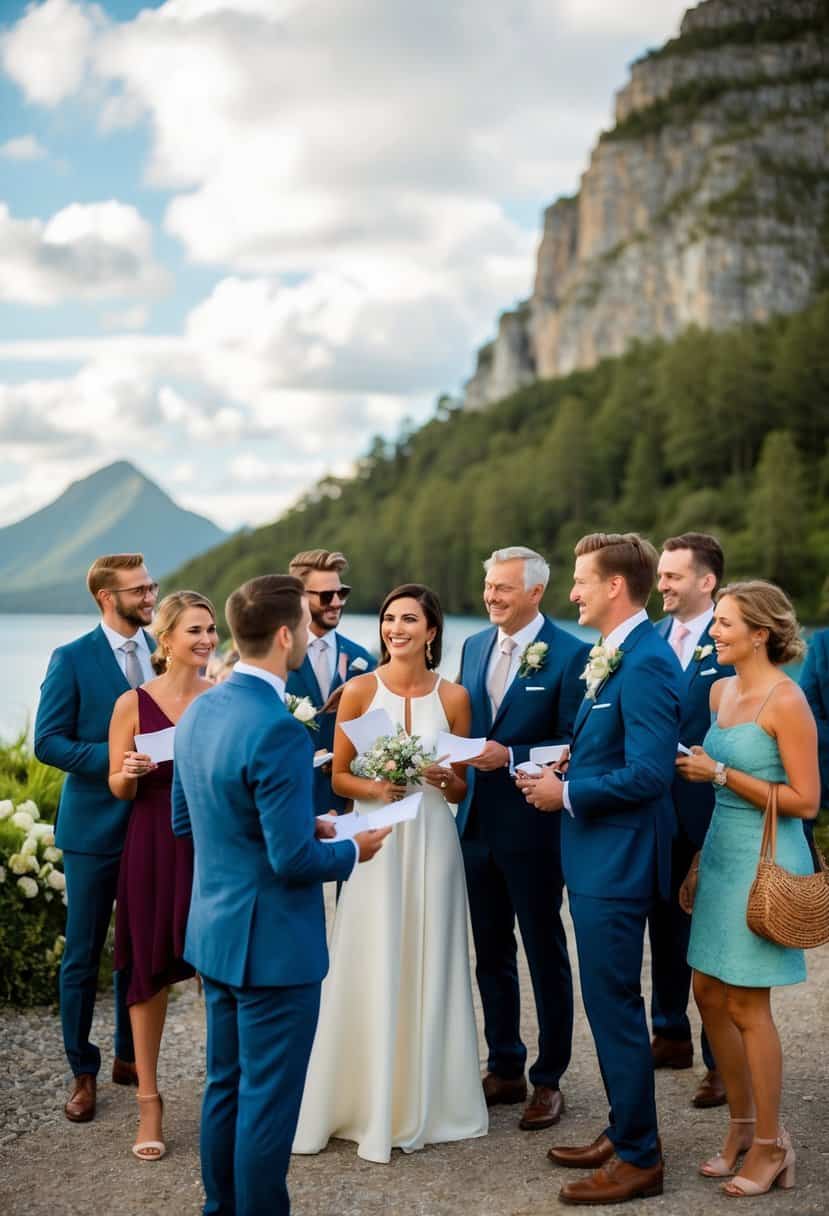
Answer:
[(762, 733), (156, 867)]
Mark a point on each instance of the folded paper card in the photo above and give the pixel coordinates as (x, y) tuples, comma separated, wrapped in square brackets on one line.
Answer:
[(385, 816), (322, 758), (367, 729), (457, 750), (157, 744), (548, 755), (530, 768)]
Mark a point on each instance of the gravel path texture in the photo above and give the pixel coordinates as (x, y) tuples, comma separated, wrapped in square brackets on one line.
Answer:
[(50, 1166)]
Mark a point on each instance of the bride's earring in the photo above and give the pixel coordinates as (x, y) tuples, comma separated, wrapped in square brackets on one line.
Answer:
[(429, 653)]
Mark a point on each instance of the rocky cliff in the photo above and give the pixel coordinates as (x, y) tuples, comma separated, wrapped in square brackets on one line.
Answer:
[(707, 203)]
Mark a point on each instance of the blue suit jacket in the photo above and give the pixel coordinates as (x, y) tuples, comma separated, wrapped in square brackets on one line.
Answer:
[(537, 709), (617, 842), (694, 800), (242, 785), (303, 683), (82, 684), (814, 680)]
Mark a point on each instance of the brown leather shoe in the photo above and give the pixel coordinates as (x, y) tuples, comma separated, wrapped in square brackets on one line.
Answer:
[(616, 1182), (500, 1092), (586, 1157), (81, 1105), (711, 1091), (672, 1053), (544, 1109), (124, 1072)]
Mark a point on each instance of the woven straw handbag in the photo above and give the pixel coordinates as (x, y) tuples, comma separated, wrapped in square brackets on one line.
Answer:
[(790, 909)]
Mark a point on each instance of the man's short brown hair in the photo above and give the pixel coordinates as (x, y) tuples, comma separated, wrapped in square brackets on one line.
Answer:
[(261, 606), (706, 552), (302, 564), (627, 554), (101, 574)]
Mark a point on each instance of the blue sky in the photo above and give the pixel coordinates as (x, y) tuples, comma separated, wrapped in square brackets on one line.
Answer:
[(238, 238)]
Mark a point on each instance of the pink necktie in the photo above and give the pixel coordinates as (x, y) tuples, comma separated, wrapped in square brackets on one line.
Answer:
[(677, 640), (497, 685)]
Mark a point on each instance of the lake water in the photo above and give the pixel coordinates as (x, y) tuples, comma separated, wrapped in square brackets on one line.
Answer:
[(26, 642)]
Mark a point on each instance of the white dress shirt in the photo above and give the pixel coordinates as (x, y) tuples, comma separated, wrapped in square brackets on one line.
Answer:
[(616, 637), (142, 650), (278, 685), (329, 642), (696, 628)]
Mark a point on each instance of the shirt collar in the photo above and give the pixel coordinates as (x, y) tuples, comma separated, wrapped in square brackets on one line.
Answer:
[(116, 640), (276, 682), (524, 636), (696, 626), (617, 636), (328, 639)]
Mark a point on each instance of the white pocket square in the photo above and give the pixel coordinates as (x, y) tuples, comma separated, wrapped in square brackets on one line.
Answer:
[(709, 671), (603, 705), (534, 688)]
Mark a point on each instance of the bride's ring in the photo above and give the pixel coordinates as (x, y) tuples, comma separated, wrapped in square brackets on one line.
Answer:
[(443, 785)]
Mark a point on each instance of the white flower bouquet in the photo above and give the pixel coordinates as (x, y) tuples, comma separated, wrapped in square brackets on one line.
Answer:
[(303, 710), (399, 758)]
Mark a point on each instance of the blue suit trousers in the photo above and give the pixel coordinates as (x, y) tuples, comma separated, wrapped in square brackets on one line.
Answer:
[(91, 885), (258, 1045)]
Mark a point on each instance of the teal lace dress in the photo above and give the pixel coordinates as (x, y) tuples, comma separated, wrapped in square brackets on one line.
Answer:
[(722, 945)]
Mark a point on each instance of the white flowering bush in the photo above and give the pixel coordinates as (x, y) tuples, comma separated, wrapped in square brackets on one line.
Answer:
[(32, 906)]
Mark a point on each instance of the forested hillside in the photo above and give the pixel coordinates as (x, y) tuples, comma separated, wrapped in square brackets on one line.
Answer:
[(725, 433)]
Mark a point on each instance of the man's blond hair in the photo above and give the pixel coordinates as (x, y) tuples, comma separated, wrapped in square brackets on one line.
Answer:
[(101, 575), (303, 564)]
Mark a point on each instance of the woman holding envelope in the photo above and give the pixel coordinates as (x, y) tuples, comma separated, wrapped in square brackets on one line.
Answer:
[(395, 1059), (156, 867)]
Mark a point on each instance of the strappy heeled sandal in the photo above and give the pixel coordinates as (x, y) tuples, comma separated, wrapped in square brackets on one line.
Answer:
[(150, 1150), (740, 1188), (719, 1167)]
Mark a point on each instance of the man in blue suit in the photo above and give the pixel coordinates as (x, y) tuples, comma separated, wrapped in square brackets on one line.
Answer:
[(814, 680), (690, 571), (331, 659), (522, 676), (616, 834), (243, 788), (83, 681)]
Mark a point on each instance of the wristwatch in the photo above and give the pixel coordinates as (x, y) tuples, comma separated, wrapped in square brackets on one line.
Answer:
[(720, 771)]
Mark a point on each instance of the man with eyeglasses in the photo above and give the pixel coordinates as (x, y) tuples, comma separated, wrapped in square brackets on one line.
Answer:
[(331, 659), (83, 681)]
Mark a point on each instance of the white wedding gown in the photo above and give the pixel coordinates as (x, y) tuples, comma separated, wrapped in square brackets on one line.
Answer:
[(395, 1058)]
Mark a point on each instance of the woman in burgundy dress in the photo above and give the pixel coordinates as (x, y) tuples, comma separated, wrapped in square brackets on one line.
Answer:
[(156, 866)]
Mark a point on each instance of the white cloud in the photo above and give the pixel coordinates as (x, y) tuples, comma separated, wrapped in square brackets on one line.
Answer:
[(654, 20), (135, 317), (47, 52), (85, 251), (23, 147)]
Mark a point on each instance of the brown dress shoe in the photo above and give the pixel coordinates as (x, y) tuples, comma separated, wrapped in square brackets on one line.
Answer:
[(81, 1105), (543, 1109), (672, 1053), (587, 1157), (124, 1072), (616, 1182), (500, 1092), (711, 1091)]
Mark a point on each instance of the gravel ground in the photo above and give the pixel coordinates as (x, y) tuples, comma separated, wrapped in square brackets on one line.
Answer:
[(50, 1166)]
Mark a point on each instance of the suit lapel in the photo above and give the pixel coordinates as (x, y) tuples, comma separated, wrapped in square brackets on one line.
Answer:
[(515, 686), (630, 642), (480, 675), (693, 668), (308, 677), (107, 662)]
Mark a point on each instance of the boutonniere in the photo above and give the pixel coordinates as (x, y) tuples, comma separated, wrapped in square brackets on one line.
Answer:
[(702, 652), (601, 662), (302, 709), (533, 658)]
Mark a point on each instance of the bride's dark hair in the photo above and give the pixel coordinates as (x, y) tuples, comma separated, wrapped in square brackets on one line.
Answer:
[(432, 610)]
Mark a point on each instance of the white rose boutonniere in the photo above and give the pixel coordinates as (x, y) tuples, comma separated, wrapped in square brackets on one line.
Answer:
[(702, 652), (601, 663), (533, 659), (302, 709)]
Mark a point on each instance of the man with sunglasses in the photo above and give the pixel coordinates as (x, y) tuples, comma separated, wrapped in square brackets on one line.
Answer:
[(331, 659), (83, 681)]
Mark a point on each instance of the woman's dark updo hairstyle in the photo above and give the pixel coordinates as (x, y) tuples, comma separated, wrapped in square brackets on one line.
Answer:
[(432, 610)]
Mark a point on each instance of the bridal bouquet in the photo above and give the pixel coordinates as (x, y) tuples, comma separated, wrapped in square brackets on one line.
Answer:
[(399, 758)]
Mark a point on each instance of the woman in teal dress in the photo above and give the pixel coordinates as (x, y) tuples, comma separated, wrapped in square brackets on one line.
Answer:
[(762, 732)]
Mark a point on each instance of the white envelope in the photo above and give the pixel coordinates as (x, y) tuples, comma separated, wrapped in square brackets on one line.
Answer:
[(367, 729), (347, 826), (548, 755), (322, 758), (157, 744), (456, 749)]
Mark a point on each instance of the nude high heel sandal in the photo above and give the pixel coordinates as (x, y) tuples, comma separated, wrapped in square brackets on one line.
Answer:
[(783, 1176), (150, 1150), (719, 1166)]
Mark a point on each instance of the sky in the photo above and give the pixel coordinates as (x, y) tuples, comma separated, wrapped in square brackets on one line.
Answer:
[(240, 238)]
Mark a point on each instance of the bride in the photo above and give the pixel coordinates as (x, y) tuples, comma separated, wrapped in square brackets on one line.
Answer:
[(395, 1060)]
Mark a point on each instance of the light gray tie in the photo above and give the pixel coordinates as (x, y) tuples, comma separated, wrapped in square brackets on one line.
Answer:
[(322, 669), (499, 679), (132, 666)]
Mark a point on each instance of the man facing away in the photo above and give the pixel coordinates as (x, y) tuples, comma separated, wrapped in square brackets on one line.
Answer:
[(243, 788), (83, 681), (522, 676), (331, 659), (690, 571), (616, 834)]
